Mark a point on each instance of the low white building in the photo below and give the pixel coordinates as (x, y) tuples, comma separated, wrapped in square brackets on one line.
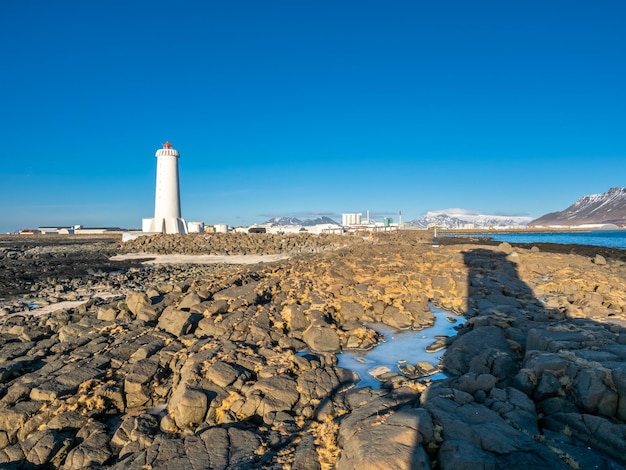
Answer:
[(291, 229)]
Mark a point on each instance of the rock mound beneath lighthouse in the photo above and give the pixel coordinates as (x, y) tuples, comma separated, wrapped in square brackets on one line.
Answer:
[(237, 244)]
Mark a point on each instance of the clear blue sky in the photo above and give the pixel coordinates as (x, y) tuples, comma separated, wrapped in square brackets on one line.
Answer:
[(308, 107)]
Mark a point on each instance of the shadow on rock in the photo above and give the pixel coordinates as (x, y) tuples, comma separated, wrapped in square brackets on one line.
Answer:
[(531, 386), (528, 387)]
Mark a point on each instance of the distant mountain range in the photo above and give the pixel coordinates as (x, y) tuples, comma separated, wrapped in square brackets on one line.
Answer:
[(459, 218), (304, 223), (594, 209)]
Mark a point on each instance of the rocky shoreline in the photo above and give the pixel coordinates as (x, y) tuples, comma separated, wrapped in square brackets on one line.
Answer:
[(218, 366)]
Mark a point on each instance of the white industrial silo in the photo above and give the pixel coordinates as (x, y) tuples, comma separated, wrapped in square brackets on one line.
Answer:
[(195, 227)]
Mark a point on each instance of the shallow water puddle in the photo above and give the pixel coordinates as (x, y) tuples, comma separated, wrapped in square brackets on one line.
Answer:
[(401, 348)]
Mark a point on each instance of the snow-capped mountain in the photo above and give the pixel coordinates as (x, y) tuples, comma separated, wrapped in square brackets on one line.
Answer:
[(283, 221), (460, 218), (319, 221), (296, 221), (595, 209)]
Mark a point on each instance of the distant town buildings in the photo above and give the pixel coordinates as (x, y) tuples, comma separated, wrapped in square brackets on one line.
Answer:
[(70, 230), (353, 221), (351, 218), (287, 229)]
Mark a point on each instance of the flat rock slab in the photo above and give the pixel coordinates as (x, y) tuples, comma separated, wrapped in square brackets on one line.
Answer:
[(67, 304), (199, 259)]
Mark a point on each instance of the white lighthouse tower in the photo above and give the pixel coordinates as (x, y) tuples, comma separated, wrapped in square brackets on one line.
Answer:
[(167, 217)]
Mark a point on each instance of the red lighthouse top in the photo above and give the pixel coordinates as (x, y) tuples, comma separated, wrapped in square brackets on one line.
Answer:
[(167, 145)]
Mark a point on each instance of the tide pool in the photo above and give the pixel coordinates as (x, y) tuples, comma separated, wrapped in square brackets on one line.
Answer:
[(400, 347)]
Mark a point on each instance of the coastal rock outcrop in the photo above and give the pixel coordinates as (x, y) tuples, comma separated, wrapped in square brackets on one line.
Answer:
[(236, 243), (235, 367)]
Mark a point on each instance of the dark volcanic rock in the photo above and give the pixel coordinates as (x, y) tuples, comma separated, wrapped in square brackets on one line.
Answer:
[(482, 351), (235, 367), (475, 436), (321, 339), (27, 264)]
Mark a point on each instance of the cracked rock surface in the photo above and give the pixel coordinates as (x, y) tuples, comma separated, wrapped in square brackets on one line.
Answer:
[(188, 366)]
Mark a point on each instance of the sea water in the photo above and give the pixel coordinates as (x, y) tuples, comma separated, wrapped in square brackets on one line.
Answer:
[(606, 238), (400, 346)]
